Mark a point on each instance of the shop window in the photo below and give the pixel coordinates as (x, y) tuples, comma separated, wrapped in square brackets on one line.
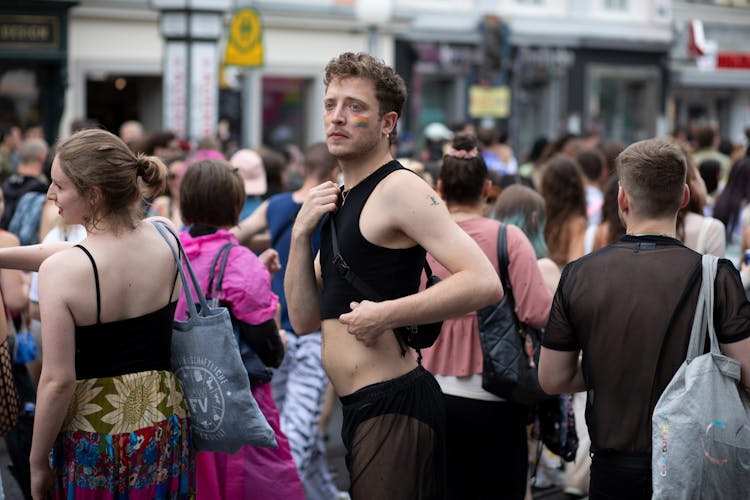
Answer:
[(616, 5), (436, 102), (20, 96), (623, 101), (284, 111), (115, 99)]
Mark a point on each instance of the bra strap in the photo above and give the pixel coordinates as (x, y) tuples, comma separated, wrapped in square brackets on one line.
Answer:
[(96, 281)]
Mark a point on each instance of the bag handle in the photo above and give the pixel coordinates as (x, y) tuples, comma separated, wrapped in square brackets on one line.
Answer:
[(214, 291), (180, 251), (502, 264), (704, 312)]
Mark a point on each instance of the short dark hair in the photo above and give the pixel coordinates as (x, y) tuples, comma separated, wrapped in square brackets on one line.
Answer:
[(390, 89), (710, 171), (212, 194), (592, 162), (653, 173)]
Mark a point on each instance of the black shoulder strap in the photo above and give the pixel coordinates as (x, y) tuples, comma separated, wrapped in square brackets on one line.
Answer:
[(96, 282), (214, 290), (502, 264)]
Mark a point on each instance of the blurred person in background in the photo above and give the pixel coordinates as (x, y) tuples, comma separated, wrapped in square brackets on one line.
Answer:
[(611, 228), (249, 165), (168, 204), (496, 152), (10, 140), (703, 234), (524, 207), (28, 177), (565, 201), (530, 167), (591, 161), (131, 132), (731, 206), (275, 165), (706, 142)]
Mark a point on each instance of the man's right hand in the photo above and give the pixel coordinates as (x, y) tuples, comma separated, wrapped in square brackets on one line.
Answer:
[(320, 200)]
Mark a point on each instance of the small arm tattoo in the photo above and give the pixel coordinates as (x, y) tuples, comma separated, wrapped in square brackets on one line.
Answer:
[(434, 201)]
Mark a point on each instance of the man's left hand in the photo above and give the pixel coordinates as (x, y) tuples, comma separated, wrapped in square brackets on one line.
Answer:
[(365, 321)]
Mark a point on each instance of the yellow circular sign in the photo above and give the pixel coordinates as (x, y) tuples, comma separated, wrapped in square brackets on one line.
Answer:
[(245, 44)]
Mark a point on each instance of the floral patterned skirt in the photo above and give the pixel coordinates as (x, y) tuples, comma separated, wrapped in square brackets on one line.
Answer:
[(125, 437)]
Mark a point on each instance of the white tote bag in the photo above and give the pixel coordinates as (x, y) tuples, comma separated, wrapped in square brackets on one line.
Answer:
[(700, 434)]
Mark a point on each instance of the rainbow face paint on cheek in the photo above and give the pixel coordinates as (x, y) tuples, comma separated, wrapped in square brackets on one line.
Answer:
[(360, 121)]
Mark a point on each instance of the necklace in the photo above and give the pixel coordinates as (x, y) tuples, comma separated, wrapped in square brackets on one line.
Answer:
[(344, 194)]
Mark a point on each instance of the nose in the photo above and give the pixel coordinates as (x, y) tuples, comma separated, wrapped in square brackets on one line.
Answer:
[(50, 194), (336, 115)]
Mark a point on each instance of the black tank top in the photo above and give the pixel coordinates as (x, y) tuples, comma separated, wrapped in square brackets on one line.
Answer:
[(125, 346), (394, 273)]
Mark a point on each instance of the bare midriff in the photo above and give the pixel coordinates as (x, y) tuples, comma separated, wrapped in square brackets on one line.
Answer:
[(351, 365)]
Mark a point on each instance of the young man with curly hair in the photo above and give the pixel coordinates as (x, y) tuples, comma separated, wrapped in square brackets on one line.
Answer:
[(385, 218)]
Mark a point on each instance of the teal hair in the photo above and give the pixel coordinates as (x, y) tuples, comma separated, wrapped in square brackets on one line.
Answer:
[(523, 207), (534, 232)]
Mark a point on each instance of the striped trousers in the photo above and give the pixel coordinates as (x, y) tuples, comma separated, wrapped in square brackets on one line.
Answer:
[(299, 386)]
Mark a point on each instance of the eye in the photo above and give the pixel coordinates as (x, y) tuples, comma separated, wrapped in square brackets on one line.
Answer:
[(356, 107), (328, 106)]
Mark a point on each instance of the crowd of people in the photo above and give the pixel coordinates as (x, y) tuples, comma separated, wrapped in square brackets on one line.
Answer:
[(602, 237)]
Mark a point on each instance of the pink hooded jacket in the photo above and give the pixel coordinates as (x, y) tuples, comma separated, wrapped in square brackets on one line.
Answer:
[(246, 284)]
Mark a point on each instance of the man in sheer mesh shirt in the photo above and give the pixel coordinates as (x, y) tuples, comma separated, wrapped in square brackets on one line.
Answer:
[(629, 309)]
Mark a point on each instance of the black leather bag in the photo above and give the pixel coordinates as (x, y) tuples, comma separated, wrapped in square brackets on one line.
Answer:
[(509, 371), (414, 336)]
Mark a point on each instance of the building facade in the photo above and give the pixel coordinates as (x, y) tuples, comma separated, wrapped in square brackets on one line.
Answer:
[(626, 68)]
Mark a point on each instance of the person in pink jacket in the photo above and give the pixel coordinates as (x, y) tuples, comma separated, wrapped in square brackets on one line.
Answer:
[(212, 196)]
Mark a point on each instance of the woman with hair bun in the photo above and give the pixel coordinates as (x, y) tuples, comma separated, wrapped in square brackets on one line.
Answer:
[(111, 419), (486, 446)]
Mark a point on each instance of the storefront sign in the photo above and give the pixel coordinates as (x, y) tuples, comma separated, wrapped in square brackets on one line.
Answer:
[(245, 43), (41, 32), (489, 102)]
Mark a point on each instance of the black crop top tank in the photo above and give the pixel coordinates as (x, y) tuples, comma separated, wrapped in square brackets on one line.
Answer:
[(125, 346), (391, 272)]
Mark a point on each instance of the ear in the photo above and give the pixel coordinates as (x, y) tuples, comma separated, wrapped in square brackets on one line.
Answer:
[(439, 187), (623, 201), (487, 189), (685, 196), (389, 122)]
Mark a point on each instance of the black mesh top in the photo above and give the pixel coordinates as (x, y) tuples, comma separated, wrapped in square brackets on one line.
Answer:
[(629, 307)]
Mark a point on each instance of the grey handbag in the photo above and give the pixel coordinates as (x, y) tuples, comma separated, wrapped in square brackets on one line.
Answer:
[(700, 433), (206, 360)]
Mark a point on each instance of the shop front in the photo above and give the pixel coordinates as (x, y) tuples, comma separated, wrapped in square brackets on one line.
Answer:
[(33, 64)]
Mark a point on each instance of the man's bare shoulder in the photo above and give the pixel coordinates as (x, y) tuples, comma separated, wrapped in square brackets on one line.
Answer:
[(404, 187)]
